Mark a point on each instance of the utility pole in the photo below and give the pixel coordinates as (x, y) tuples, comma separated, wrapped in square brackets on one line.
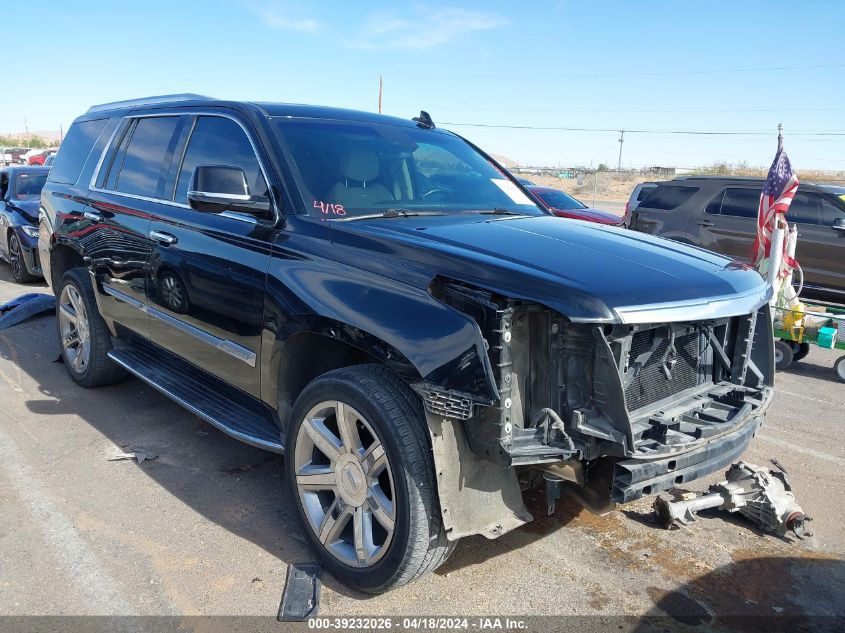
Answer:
[(380, 89), (621, 140)]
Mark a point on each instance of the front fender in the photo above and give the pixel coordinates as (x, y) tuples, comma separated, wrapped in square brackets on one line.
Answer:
[(405, 327)]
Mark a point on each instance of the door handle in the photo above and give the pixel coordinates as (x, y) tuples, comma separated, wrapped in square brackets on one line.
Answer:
[(93, 216), (165, 239), (704, 223)]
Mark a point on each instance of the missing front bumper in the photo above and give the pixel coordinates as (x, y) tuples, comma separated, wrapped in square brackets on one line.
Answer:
[(635, 478)]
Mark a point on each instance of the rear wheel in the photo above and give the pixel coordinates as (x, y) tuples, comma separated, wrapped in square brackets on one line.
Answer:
[(84, 338), (783, 354), (361, 475), (16, 261)]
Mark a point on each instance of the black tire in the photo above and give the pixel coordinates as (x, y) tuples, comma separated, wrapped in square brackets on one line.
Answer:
[(419, 544), (839, 368), (99, 370), (783, 354), (801, 352), (17, 261)]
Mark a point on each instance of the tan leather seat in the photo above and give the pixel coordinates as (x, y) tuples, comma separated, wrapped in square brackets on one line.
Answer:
[(358, 169)]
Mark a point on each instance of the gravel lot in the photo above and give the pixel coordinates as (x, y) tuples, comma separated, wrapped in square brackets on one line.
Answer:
[(208, 529)]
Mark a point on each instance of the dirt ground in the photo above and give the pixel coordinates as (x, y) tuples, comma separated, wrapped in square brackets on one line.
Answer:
[(208, 528)]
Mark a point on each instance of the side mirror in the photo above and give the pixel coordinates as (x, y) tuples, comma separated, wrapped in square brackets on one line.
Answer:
[(838, 224), (219, 188)]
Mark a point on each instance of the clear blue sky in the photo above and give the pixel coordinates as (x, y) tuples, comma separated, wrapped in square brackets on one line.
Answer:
[(597, 64)]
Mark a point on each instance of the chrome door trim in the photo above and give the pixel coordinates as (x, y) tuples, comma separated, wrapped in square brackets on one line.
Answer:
[(224, 345)]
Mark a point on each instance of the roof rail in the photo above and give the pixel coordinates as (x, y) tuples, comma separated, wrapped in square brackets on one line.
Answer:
[(161, 99)]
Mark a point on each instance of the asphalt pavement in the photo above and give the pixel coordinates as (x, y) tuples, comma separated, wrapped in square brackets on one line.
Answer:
[(208, 528)]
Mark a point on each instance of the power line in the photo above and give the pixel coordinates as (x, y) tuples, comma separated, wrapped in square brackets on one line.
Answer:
[(644, 131), (715, 71)]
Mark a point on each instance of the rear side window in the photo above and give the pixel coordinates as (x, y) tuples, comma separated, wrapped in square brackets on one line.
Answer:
[(74, 151), (668, 197), (741, 203), (219, 141), (142, 156)]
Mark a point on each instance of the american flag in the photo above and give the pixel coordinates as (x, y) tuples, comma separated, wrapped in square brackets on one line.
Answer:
[(778, 191)]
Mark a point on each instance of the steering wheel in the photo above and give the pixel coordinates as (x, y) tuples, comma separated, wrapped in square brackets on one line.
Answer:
[(434, 191)]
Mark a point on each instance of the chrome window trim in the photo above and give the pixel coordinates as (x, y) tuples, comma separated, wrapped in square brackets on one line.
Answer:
[(92, 185), (224, 345)]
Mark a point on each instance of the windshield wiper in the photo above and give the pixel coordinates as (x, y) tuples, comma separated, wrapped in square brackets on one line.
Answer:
[(500, 211), (393, 213)]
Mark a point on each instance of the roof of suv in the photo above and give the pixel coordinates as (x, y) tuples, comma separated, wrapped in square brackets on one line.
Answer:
[(267, 108)]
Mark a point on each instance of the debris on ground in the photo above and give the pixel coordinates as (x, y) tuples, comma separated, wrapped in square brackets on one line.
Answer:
[(301, 596), (24, 307), (758, 493), (139, 454)]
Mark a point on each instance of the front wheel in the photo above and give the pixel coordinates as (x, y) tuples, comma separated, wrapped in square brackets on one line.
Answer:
[(839, 368), (17, 262), (783, 354), (361, 474)]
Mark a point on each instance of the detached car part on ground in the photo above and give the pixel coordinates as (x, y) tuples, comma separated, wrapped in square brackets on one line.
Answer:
[(383, 303)]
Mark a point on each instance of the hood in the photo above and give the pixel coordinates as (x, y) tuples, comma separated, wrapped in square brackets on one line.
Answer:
[(27, 208), (589, 214), (587, 272)]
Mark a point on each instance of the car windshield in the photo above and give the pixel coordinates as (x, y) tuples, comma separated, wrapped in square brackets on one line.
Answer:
[(560, 200), (836, 190), (28, 186), (349, 169)]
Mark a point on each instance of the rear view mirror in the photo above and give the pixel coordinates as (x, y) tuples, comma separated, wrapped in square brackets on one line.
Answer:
[(219, 188), (839, 224)]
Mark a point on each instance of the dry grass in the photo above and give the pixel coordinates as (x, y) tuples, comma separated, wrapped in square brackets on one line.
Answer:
[(615, 186)]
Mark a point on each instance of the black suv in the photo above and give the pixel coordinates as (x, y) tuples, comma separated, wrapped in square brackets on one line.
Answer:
[(720, 214), (383, 302)]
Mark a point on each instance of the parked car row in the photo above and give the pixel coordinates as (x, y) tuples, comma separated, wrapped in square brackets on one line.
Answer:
[(26, 156)]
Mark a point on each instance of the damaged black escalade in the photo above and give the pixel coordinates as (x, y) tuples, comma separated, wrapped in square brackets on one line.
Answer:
[(383, 303)]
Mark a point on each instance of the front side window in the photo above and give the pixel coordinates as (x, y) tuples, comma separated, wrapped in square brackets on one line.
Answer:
[(348, 169), (219, 141), (28, 186), (831, 212)]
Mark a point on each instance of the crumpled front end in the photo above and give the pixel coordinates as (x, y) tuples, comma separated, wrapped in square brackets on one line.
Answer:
[(621, 410)]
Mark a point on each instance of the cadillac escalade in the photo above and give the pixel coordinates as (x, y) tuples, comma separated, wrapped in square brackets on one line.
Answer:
[(382, 302)]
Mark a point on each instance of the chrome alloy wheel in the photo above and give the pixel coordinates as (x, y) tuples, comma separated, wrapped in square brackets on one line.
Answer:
[(345, 484), (74, 329)]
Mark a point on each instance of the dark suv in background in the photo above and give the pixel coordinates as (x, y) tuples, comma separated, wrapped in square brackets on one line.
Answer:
[(384, 303), (720, 214)]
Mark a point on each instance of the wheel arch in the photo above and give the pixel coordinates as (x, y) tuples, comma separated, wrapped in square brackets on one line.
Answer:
[(63, 257)]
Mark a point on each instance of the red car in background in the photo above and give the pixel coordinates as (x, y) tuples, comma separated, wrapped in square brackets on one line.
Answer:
[(38, 159), (565, 206)]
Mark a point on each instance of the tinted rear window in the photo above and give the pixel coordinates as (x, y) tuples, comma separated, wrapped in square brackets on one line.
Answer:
[(741, 203), (668, 197), (646, 189), (74, 150), (144, 159)]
